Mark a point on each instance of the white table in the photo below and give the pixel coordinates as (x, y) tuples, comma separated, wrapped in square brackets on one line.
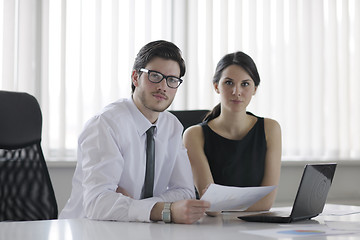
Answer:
[(223, 227)]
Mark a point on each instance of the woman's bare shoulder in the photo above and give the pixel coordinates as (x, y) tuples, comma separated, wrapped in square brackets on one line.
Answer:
[(271, 124), (193, 130), (192, 134), (272, 129)]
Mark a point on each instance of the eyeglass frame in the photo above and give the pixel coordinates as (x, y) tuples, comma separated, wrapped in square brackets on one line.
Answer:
[(163, 76)]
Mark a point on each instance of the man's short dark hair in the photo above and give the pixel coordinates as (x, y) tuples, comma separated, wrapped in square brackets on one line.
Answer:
[(161, 48)]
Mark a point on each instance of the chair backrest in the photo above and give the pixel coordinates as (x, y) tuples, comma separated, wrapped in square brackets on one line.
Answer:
[(26, 192), (189, 117)]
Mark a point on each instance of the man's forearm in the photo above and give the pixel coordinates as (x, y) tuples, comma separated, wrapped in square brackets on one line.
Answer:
[(155, 214)]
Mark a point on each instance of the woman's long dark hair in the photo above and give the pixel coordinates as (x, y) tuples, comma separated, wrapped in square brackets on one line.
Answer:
[(237, 58)]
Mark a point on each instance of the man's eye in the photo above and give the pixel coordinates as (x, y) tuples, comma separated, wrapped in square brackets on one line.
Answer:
[(156, 76), (173, 80)]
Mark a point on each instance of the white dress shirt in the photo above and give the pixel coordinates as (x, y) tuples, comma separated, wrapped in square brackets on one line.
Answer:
[(112, 153)]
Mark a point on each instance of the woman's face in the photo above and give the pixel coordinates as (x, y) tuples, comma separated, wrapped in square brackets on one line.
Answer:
[(236, 88)]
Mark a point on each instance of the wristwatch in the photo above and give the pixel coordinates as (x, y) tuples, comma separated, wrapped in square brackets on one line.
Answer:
[(166, 212)]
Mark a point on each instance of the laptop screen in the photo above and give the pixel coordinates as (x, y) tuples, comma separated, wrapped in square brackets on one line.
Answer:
[(312, 193)]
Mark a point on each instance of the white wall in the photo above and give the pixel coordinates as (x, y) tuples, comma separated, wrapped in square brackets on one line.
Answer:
[(344, 189)]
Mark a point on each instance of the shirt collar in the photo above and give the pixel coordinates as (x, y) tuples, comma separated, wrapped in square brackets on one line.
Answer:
[(141, 122)]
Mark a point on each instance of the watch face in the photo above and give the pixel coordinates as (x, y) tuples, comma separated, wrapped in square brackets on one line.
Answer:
[(166, 213), (166, 216)]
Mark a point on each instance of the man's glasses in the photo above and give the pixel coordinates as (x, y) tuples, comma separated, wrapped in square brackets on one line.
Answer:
[(156, 77)]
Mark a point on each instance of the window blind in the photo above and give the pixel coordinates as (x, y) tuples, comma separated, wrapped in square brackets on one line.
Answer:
[(76, 56)]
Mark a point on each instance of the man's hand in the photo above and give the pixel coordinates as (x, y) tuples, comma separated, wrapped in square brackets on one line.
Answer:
[(188, 211)]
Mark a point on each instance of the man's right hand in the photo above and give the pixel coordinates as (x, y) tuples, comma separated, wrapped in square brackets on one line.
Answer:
[(188, 211)]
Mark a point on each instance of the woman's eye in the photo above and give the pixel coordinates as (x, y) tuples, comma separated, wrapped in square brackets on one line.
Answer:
[(228, 82), (245, 84)]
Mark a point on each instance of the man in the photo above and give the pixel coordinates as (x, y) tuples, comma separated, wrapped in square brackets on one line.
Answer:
[(109, 179)]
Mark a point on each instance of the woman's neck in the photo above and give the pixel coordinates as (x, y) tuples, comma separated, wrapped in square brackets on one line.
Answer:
[(232, 125)]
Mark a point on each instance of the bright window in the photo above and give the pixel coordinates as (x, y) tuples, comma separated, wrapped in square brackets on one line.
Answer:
[(76, 57)]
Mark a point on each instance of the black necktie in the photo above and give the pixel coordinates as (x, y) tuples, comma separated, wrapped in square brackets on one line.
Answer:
[(150, 163)]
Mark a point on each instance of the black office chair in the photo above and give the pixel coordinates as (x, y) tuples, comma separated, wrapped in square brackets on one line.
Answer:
[(189, 117), (26, 192)]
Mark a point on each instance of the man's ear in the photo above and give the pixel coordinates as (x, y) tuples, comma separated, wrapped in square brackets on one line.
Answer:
[(216, 87), (135, 78)]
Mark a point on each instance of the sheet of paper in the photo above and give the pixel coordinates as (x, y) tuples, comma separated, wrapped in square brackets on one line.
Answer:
[(343, 225), (224, 198)]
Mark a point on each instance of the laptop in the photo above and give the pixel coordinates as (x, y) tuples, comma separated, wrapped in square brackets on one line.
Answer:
[(310, 198)]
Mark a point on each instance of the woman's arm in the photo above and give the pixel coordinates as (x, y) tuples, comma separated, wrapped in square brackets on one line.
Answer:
[(194, 143), (272, 164)]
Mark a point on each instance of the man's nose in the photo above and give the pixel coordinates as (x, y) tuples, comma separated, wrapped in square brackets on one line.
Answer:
[(162, 85)]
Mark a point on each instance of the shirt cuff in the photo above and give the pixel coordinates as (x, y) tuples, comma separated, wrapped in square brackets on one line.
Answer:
[(140, 210)]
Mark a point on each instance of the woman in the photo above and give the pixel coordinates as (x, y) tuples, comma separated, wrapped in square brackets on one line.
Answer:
[(234, 147)]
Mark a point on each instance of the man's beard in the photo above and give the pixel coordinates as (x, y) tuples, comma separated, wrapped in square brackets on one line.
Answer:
[(155, 108)]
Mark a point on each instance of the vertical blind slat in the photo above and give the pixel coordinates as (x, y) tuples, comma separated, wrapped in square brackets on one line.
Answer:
[(290, 130), (80, 90), (317, 76), (343, 70), (354, 10), (192, 58), (45, 98), (62, 99), (114, 86)]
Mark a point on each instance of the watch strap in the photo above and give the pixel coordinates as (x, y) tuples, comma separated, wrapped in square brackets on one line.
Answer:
[(166, 212)]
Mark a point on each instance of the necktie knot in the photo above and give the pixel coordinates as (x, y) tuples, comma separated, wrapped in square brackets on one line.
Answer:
[(150, 131)]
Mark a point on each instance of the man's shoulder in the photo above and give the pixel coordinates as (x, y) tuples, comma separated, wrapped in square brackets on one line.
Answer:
[(116, 109), (170, 121), (169, 115), (119, 104), (114, 112), (171, 118)]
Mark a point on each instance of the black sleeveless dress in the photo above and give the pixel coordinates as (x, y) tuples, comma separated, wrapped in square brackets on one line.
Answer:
[(237, 163)]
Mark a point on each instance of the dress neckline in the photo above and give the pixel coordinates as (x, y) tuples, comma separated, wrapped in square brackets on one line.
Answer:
[(235, 140)]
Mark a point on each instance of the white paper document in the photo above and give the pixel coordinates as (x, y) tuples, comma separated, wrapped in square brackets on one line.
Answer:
[(223, 198)]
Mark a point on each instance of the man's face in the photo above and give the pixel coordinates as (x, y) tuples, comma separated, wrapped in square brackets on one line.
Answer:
[(152, 97)]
